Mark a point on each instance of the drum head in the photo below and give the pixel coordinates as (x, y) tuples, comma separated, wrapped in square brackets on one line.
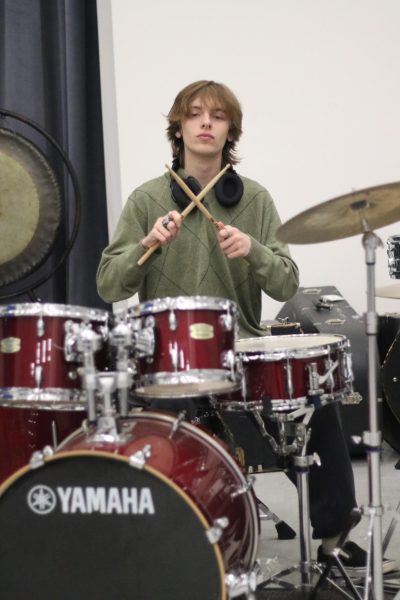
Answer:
[(282, 346), (30, 207), (90, 525)]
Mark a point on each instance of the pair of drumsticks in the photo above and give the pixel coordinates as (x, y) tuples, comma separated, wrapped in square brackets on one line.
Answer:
[(195, 201)]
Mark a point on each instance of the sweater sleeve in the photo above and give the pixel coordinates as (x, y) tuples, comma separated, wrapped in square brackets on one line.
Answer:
[(118, 275), (270, 261)]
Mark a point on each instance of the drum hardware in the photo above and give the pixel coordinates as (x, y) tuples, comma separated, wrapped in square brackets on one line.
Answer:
[(244, 489), (140, 458), (358, 213), (177, 423), (38, 458), (81, 343), (393, 252), (240, 584), (215, 532), (302, 463)]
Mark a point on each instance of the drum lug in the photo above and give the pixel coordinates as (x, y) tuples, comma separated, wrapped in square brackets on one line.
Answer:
[(215, 532), (314, 380), (243, 583), (172, 320), (145, 341), (139, 459), (38, 375), (244, 489), (40, 327), (228, 360), (226, 322), (38, 458), (289, 378)]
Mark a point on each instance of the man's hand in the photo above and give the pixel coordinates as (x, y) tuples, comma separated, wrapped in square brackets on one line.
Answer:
[(165, 230), (233, 242)]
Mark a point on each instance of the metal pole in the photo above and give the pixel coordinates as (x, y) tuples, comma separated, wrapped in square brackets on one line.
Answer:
[(372, 438)]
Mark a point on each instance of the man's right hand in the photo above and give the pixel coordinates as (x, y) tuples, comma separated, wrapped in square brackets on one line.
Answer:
[(165, 230)]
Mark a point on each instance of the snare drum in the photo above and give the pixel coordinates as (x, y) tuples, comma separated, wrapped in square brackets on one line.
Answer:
[(393, 251), (292, 371), (35, 368), (193, 352), (163, 512)]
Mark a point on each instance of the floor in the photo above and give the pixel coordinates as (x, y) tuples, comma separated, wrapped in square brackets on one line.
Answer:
[(280, 495)]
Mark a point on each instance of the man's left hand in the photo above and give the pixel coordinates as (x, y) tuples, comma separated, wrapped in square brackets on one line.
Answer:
[(233, 242)]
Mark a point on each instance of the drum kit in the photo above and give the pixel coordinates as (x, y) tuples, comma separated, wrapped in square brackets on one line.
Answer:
[(106, 491)]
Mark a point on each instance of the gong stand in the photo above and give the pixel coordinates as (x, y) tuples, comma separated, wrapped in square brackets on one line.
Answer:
[(28, 289)]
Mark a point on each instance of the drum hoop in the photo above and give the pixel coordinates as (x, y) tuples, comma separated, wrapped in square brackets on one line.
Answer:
[(209, 441), (291, 352), (181, 303), (103, 454), (53, 310)]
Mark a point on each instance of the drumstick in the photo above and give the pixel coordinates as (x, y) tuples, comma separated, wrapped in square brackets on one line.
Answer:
[(185, 212), (193, 197)]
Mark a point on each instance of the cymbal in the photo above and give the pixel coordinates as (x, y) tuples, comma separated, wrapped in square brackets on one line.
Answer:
[(343, 216), (388, 291)]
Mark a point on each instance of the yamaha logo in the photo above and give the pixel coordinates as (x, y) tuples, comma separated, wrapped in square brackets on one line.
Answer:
[(42, 500)]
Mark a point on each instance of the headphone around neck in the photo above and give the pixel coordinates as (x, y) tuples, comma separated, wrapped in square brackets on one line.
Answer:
[(228, 190)]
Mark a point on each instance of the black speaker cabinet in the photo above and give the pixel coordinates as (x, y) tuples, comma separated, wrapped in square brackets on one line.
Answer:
[(324, 310)]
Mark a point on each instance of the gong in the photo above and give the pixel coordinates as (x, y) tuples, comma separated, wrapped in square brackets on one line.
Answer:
[(30, 207)]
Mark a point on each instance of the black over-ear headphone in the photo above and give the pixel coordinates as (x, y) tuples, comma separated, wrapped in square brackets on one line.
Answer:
[(228, 190)]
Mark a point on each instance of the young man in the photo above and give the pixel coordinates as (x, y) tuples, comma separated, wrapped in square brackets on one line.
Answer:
[(239, 262)]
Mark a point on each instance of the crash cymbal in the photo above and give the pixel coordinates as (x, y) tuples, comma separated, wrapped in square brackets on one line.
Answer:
[(30, 207), (388, 291), (343, 216)]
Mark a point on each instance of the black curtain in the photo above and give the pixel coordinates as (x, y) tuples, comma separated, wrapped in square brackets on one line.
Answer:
[(49, 74)]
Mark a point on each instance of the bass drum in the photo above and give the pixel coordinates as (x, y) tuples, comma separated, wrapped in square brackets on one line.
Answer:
[(389, 352), (96, 520)]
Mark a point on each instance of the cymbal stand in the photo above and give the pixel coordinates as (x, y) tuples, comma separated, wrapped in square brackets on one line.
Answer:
[(372, 439)]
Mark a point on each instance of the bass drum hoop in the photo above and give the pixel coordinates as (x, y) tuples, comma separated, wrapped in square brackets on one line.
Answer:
[(103, 454)]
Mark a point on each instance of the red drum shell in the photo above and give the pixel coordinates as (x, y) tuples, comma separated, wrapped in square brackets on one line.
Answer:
[(193, 332), (23, 348), (268, 360), (24, 431), (199, 465)]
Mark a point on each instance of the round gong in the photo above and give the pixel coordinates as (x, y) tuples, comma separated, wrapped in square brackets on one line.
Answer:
[(30, 207)]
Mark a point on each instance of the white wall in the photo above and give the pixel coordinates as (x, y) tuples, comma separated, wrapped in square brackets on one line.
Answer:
[(320, 88)]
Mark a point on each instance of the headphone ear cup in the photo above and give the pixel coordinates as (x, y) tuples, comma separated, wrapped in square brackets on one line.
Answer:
[(229, 189), (179, 195)]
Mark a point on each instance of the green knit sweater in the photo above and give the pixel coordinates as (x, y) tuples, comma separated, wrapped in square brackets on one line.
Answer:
[(194, 264)]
